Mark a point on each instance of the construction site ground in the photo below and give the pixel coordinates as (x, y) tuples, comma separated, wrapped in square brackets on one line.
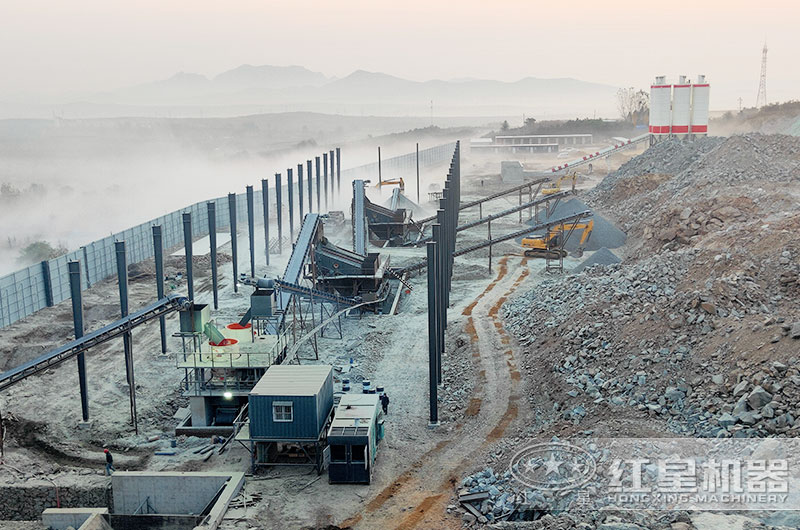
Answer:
[(505, 375), (417, 465)]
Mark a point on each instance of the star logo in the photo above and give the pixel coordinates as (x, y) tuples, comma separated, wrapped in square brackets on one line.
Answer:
[(552, 466)]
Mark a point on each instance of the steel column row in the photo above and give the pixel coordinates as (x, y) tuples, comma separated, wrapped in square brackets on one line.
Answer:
[(440, 272)]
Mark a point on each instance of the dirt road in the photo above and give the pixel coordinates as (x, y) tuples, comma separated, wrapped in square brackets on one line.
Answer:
[(419, 496)]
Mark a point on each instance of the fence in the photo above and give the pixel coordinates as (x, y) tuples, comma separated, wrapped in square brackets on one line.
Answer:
[(26, 291)]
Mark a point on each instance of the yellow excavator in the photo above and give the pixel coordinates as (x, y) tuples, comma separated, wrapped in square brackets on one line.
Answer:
[(399, 181), (555, 187), (549, 245)]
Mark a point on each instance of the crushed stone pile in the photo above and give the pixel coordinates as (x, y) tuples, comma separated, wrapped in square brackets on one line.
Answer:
[(699, 328), (599, 257), (604, 234)]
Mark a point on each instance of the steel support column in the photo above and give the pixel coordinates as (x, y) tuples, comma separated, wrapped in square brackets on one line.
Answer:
[(339, 171), (325, 178), (127, 338), (333, 173), (187, 244), (310, 178), (251, 229), (290, 195), (265, 205), (158, 253), (234, 242), (300, 191), (279, 211), (212, 242), (74, 268), (433, 334), (319, 208)]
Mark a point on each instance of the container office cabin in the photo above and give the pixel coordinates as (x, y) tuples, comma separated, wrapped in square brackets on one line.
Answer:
[(355, 431), (288, 413)]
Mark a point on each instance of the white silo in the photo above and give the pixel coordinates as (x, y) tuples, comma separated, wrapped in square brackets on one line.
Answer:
[(681, 107), (660, 96), (700, 96)]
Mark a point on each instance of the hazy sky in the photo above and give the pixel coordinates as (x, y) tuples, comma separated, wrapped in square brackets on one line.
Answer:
[(92, 45)]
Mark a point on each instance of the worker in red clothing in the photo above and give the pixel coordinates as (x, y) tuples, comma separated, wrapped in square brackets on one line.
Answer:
[(109, 462)]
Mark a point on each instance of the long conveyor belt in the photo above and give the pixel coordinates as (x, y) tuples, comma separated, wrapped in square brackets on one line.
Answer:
[(513, 235), (111, 331)]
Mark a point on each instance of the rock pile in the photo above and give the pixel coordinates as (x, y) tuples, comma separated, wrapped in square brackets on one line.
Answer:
[(600, 257), (696, 328), (604, 233)]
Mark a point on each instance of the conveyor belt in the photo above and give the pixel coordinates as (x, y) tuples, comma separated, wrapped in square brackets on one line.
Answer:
[(300, 253), (299, 290), (71, 349), (519, 233), (552, 197), (591, 157), (497, 195)]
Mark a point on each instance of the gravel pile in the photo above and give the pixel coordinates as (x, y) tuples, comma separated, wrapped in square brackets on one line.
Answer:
[(697, 331), (599, 257), (671, 331), (604, 234)]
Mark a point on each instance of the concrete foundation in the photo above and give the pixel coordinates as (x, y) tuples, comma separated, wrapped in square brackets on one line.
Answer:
[(63, 518)]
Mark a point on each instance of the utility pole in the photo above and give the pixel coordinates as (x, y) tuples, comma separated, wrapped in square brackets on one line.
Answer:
[(417, 172), (761, 99)]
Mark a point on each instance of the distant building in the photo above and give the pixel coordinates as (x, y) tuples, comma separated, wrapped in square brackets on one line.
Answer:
[(529, 143)]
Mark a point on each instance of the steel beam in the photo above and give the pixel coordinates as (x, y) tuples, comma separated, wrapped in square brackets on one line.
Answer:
[(127, 338), (300, 191), (187, 245), (158, 253), (265, 205), (432, 339), (74, 268), (48, 284), (290, 193), (279, 211), (319, 208), (309, 177), (325, 177), (333, 173), (212, 240), (234, 240), (251, 229), (339, 171)]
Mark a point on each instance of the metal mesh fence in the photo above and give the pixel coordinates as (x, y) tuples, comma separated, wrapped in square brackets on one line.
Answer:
[(25, 291)]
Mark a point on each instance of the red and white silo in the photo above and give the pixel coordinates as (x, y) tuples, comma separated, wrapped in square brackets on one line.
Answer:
[(660, 103), (681, 107), (700, 95)]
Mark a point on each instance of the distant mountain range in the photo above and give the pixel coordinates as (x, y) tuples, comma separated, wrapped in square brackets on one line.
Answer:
[(267, 88)]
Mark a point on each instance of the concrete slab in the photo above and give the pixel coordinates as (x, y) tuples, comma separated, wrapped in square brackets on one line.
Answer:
[(63, 518)]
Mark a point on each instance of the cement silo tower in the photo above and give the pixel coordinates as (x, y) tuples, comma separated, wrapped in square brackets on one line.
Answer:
[(700, 96), (660, 108), (681, 107)]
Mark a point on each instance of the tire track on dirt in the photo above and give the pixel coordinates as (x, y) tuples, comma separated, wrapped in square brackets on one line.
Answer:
[(487, 417)]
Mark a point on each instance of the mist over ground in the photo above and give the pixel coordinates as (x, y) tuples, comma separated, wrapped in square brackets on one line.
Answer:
[(70, 182)]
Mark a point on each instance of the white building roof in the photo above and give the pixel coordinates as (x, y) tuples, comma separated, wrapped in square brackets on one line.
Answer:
[(292, 380)]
